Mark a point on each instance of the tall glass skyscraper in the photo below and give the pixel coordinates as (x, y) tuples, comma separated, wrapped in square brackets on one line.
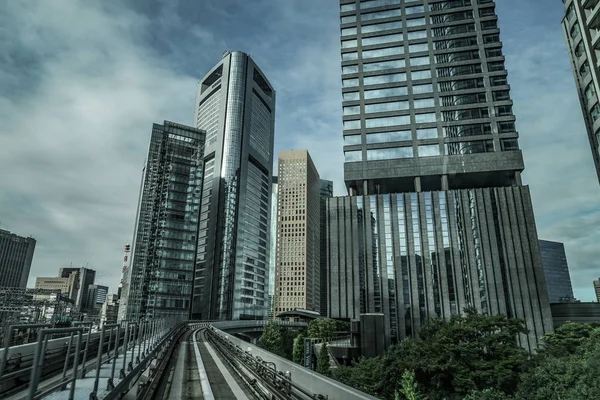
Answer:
[(556, 270), (581, 26), (159, 283), (16, 255), (235, 105), (437, 219)]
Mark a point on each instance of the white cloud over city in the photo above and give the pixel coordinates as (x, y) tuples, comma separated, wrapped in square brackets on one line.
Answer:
[(82, 82)]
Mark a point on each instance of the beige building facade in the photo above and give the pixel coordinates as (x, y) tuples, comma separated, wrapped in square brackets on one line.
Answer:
[(67, 286), (297, 281)]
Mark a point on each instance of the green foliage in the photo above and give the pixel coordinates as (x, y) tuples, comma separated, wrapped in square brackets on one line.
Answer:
[(323, 361), (273, 338), (364, 375), (322, 328), (409, 389), (487, 394), (454, 358), (298, 353), (558, 375)]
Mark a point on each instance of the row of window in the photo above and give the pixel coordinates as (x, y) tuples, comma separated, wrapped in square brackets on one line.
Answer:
[(378, 14), (413, 48), (458, 148)]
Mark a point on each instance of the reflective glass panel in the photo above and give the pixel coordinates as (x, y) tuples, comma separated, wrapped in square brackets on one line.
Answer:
[(422, 118), (414, 10), (350, 69), (348, 7), (421, 74), (387, 121), (351, 110), (389, 154), (381, 14), (377, 3), (388, 51), (415, 22), (352, 140), (385, 137), (427, 133), (424, 103), (355, 124), (380, 79), (349, 31), (349, 56), (414, 48), (349, 96), (383, 65), (350, 82), (388, 92), (397, 37), (418, 89), (417, 35), (348, 43), (348, 19), (352, 156), (416, 61), (429, 150), (383, 107), (381, 27)]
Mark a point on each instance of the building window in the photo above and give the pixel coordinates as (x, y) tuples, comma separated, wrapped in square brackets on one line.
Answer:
[(585, 69), (427, 133), (389, 154), (351, 96), (575, 31), (348, 19), (377, 3), (387, 121), (424, 118), (509, 144), (350, 69), (381, 27), (352, 140), (590, 91), (415, 75), (387, 137), (386, 107), (595, 113), (349, 43), (420, 89), (429, 150), (415, 48), (350, 82), (417, 35), (355, 124), (351, 110), (571, 12), (349, 56), (424, 103), (353, 156), (381, 79), (381, 14), (389, 92), (383, 65), (349, 31), (396, 37), (388, 51), (348, 7), (579, 49)]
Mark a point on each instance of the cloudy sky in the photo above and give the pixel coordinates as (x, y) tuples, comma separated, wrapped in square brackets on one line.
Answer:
[(81, 83)]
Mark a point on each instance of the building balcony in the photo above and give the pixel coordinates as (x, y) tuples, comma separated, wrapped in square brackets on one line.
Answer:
[(593, 21), (589, 4), (596, 40)]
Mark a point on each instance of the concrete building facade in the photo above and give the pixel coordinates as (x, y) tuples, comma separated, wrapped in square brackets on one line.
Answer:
[(298, 248), (597, 289), (235, 105), (437, 219), (581, 26), (16, 255), (159, 281), (325, 193), (67, 286), (556, 271)]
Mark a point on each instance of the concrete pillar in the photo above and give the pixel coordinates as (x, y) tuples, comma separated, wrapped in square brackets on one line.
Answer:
[(518, 181), (365, 187), (417, 184), (444, 182)]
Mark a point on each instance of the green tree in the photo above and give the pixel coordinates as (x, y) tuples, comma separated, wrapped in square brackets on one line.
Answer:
[(409, 389), (323, 361), (565, 340), (487, 394), (364, 375), (557, 376), (453, 358), (322, 328), (273, 339), (298, 354)]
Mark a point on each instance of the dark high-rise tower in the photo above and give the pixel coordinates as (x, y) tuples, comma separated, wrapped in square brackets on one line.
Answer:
[(438, 219), (556, 270), (159, 283), (326, 191), (16, 254), (235, 105), (581, 24)]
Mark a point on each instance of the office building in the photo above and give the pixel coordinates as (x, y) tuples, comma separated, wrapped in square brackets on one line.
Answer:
[(580, 313), (16, 254), (235, 105), (67, 286), (96, 297), (437, 219), (123, 282), (272, 248), (581, 25), (597, 289), (298, 268), (556, 271), (159, 282), (84, 277), (326, 191), (109, 310)]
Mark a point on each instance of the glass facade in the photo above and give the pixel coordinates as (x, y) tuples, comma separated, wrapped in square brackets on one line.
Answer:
[(232, 261), (160, 282), (556, 270)]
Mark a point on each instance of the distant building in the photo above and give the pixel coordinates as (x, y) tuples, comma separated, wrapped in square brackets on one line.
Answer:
[(16, 254), (582, 313), (96, 297), (67, 286), (597, 289), (325, 193), (556, 270), (109, 310), (84, 277), (298, 269), (159, 281)]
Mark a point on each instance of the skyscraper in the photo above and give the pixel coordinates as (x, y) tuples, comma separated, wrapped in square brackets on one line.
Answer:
[(597, 289), (326, 191), (159, 283), (437, 219), (16, 254), (298, 268), (556, 271), (581, 24), (272, 247), (235, 105)]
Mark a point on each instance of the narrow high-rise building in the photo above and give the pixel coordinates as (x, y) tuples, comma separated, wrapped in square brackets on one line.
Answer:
[(326, 191), (556, 271), (437, 219), (581, 26), (272, 248), (16, 255), (159, 282), (84, 277), (298, 268), (597, 289), (235, 105)]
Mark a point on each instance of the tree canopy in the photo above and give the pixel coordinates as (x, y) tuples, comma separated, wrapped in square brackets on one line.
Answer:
[(322, 328)]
